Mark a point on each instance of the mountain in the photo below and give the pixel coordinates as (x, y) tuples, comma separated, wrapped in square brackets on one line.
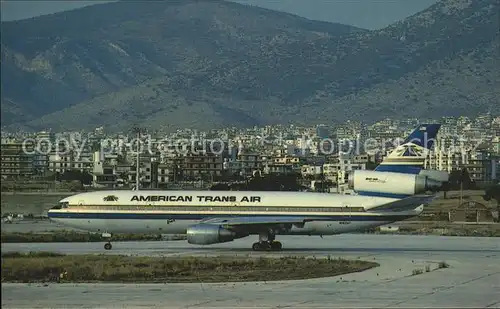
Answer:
[(208, 64)]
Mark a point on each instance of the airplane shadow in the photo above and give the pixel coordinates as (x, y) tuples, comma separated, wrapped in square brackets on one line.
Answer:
[(323, 250)]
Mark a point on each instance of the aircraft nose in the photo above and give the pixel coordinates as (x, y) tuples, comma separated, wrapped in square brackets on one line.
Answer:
[(50, 213)]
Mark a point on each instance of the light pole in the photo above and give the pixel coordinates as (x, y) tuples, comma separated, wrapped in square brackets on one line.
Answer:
[(137, 130)]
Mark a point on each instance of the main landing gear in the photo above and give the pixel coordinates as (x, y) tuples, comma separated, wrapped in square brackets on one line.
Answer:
[(107, 246), (267, 243), (267, 246)]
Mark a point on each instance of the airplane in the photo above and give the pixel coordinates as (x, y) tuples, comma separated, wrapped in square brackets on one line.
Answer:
[(211, 217)]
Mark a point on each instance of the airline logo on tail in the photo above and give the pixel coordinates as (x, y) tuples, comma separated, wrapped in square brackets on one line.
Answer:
[(409, 150), (423, 136), (409, 158)]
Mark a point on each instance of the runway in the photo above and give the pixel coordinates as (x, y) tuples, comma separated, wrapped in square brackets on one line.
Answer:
[(472, 279)]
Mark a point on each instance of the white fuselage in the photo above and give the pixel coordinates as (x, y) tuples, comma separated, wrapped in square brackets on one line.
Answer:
[(172, 212)]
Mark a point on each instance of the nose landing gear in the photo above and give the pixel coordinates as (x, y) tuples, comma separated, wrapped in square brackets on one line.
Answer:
[(107, 246)]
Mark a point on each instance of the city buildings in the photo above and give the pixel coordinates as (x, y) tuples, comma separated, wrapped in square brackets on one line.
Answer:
[(16, 162), (318, 153)]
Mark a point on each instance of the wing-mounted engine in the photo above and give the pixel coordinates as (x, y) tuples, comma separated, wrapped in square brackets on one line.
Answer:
[(207, 234), (391, 183)]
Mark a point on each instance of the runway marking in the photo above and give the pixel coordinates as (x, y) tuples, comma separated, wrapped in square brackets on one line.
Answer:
[(293, 305), (198, 304), (438, 290), (382, 282), (492, 304)]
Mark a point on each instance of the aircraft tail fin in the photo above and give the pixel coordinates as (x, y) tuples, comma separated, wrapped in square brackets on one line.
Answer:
[(409, 157)]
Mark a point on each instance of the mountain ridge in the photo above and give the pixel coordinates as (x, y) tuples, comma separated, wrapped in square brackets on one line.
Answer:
[(206, 65)]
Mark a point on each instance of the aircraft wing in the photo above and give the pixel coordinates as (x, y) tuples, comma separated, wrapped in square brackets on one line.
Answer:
[(408, 203), (257, 220), (405, 204)]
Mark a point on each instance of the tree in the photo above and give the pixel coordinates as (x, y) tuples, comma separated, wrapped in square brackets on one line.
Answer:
[(284, 182), (84, 177), (468, 183), (74, 185), (220, 187), (371, 165), (57, 176), (445, 187), (323, 185), (458, 178), (123, 175), (493, 192)]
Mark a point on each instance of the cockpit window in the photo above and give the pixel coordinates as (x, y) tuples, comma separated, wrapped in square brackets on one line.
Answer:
[(61, 205)]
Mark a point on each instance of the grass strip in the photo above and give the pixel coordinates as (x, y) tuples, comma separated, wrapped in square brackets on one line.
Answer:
[(54, 267)]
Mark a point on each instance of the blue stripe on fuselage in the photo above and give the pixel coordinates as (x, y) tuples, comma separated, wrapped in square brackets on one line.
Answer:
[(403, 169), (379, 194), (156, 216)]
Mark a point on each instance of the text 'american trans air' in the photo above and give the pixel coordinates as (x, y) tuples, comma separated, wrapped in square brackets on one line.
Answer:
[(198, 198)]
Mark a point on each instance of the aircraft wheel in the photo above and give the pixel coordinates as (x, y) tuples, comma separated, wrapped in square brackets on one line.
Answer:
[(108, 246), (265, 246), (276, 245)]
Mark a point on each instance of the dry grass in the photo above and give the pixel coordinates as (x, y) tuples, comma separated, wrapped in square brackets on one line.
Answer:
[(47, 266)]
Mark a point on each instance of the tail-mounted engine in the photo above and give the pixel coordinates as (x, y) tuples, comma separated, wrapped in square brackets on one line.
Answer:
[(440, 176), (392, 183)]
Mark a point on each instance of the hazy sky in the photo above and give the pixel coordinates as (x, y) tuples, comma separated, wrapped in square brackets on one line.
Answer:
[(371, 14)]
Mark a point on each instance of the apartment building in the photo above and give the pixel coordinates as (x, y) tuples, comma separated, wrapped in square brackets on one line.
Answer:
[(322, 131), (445, 160), (44, 144), (495, 145), (481, 165), (283, 169), (103, 173), (69, 160), (360, 159), (16, 160), (148, 171), (166, 173), (325, 147), (248, 162), (202, 166), (311, 171)]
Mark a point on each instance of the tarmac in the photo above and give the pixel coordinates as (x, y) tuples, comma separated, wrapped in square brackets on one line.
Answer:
[(472, 279)]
